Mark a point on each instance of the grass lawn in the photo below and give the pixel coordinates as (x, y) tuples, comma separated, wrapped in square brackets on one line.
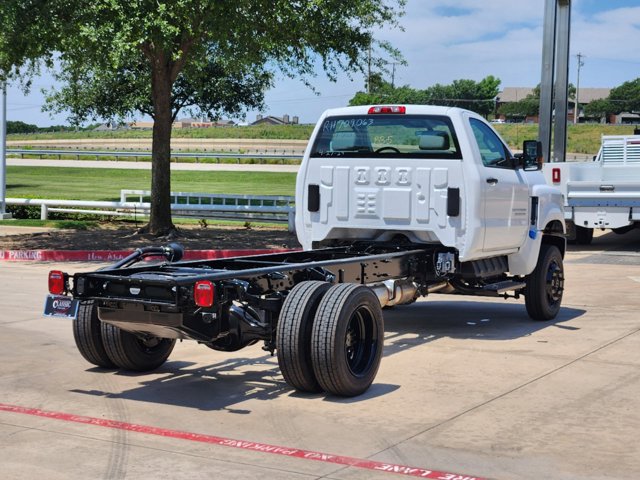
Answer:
[(105, 184), (276, 132), (584, 138)]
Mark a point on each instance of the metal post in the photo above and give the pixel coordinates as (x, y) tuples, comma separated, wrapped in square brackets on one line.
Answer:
[(563, 21), (546, 84), (576, 110), (3, 154)]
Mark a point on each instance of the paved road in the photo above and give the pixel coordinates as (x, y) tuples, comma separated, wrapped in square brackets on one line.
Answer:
[(467, 385), (245, 167)]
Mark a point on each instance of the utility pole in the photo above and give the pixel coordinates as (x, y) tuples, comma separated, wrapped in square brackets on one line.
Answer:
[(576, 110), (393, 74), (3, 154), (369, 69)]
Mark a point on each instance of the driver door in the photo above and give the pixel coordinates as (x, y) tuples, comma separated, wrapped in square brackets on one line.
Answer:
[(505, 192)]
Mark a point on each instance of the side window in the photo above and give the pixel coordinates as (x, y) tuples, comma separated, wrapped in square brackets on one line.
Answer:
[(492, 150)]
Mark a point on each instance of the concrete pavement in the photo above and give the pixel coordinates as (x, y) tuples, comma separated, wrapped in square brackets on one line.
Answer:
[(467, 385)]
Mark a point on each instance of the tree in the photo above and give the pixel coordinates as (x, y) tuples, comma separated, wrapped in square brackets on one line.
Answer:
[(118, 57), (21, 127), (527, 107), (476, 96), (626, 97), (599, 108)]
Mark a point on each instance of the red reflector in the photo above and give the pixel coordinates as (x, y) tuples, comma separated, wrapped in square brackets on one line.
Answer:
[(555, 175), (56, 282), (387, 109), (203, 292)]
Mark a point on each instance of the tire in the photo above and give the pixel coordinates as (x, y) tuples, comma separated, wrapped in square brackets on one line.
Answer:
[(545, 285), (584, 235), (347, 339), (88, 336), (129, 352), (293, 335)]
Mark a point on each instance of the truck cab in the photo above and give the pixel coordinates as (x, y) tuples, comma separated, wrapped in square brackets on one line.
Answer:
[(425, 174)]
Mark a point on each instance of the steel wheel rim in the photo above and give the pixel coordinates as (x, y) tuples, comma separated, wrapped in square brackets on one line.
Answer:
[(360, 342), (149, 345), (554, 283)]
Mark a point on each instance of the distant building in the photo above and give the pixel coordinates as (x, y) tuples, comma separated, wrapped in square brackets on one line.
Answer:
[(105, 127), (586, 96), (271, 120), (185, 123), (110, 126)]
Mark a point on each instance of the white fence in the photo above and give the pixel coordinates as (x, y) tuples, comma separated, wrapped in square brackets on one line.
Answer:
[(265, 208)]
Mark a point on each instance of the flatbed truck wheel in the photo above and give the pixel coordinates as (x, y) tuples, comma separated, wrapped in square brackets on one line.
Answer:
[(347, 339), (129, 352), (293, 335), (545, 285), (584, 235), (88, 336)]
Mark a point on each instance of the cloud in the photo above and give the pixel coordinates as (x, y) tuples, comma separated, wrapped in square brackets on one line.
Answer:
[(449, 39), (611, 35)]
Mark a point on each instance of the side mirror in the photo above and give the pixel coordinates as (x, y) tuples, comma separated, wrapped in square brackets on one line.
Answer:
[(531, 155)]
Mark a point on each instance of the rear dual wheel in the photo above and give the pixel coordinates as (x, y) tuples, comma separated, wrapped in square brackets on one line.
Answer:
[(88, 336), (107, 346), (330, 338), (293, 335), (131, 352), (347, 339)]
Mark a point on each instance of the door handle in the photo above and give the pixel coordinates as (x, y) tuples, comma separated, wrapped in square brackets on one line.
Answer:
[(492, 181)]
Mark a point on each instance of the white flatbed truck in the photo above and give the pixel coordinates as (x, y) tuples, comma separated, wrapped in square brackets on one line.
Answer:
[(603, 194), (393, 202)]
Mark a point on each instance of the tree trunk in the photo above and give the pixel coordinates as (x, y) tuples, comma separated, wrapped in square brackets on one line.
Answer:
[(160, 222)]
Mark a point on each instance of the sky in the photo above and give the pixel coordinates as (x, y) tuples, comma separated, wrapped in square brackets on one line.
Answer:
[(446, 40)]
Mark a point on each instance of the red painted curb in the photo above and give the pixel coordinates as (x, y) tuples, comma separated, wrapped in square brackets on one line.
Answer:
[(115, 255), (244, 445)]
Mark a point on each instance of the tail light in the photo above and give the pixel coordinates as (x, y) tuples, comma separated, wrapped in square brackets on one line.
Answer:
[(555, 175), (203, 293), (394, 109), (56, 282)]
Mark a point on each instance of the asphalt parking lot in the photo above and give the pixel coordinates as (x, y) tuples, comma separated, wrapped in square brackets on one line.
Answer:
[(468, 388)]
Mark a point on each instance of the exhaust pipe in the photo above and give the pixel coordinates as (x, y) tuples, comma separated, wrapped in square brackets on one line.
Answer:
[(395, 292)]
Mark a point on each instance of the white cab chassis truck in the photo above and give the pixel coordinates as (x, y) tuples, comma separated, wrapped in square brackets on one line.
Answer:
[(602, 194), (392, 203)]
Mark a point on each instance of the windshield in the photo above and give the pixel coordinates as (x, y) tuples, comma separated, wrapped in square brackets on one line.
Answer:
[(402, 136)]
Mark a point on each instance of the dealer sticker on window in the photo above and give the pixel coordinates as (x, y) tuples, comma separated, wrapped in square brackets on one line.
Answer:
[(60, 306)]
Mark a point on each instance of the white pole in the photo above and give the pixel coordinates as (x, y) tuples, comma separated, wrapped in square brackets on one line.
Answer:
[(576, 110), (3, 154)]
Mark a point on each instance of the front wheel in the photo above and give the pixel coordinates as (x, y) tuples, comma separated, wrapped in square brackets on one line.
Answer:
[(130, 352), (347, 339), (545, 285)]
